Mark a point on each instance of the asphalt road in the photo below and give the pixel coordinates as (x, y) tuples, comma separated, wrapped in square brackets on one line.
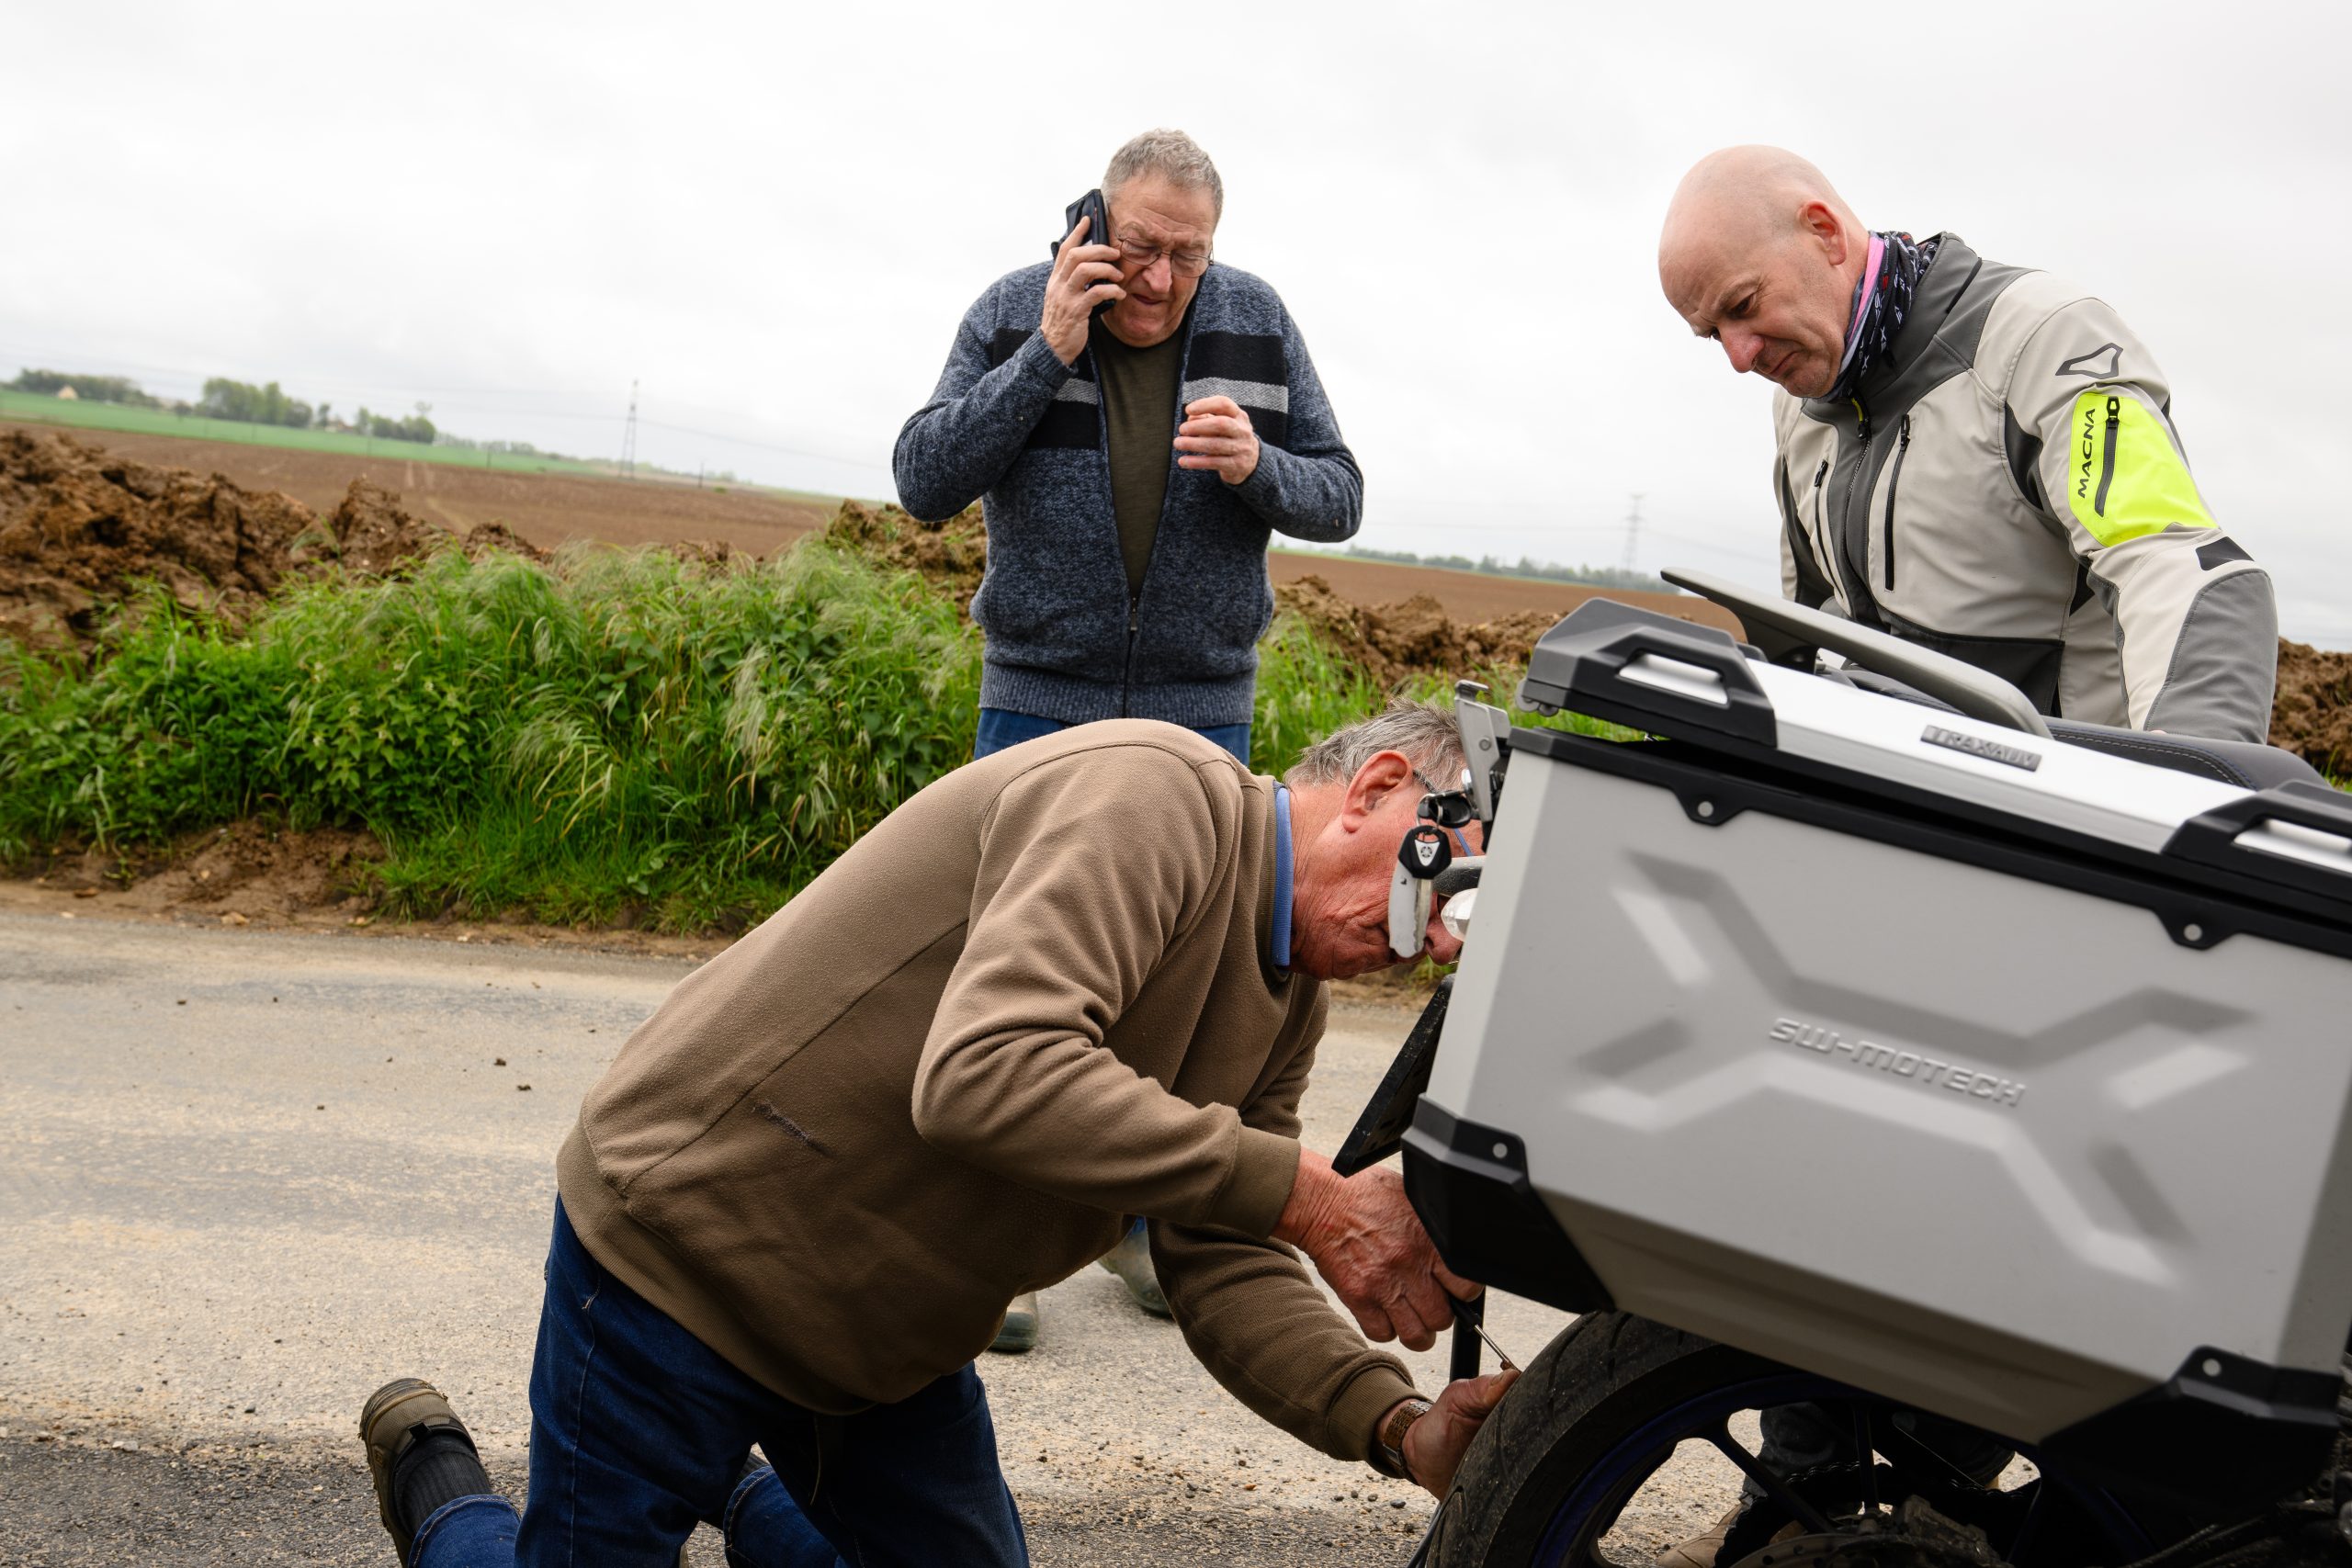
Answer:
[(249, 1177)]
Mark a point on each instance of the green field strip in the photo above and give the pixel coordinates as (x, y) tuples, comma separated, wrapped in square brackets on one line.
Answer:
[(34, 408)]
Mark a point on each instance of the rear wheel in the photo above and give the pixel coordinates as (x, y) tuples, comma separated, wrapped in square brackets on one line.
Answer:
[(1603, 1408)]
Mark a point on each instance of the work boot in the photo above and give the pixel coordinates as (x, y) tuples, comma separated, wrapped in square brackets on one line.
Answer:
[(1019, 1330), (1700, 1551), (1130, 1261), (419, 1455)]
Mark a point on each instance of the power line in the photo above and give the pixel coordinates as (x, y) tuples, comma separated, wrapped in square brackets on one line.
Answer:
[(343, 381), (1763, 551), (767, 445)]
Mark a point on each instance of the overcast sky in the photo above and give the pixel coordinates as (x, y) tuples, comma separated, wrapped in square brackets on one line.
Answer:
[(774, 216)]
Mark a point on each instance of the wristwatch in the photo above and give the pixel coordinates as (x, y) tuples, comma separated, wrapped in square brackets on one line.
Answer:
[(1388, 1441)]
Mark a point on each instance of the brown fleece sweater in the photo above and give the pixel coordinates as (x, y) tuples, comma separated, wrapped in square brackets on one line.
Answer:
[(1036, 998)]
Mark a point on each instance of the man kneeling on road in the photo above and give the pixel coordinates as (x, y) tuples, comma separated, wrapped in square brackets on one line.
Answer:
[(1076, 980)]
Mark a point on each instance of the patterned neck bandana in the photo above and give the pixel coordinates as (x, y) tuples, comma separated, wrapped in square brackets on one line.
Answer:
[(1882, 304)]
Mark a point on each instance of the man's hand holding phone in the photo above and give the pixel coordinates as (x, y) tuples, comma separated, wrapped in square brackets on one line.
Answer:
[(1216, 434), (1085, 275)]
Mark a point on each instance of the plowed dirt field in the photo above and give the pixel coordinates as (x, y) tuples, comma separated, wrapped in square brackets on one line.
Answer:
[(546, 509), (1472, 595)]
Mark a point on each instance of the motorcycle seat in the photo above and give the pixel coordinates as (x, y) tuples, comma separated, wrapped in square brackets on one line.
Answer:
[(2247, 764)]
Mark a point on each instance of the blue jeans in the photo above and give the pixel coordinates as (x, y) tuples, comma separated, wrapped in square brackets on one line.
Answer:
[(1001, 728), (638, 1429)]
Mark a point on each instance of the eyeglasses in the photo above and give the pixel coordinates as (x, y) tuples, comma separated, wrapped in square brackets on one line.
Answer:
[(1184, 263)]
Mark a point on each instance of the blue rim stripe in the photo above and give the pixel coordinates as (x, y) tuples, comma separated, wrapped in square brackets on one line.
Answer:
[(1594, 1488)]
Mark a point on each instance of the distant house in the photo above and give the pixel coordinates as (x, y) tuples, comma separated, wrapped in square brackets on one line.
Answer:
[(67, 394)]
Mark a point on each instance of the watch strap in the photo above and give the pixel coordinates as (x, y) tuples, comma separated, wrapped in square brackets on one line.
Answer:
[(1387, 1454)]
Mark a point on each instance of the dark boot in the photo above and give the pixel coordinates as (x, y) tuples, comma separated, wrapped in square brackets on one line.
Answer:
[(419, 1454)]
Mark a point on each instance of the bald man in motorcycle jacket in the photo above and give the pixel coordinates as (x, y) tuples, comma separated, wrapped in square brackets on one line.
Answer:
[(1974, 457)]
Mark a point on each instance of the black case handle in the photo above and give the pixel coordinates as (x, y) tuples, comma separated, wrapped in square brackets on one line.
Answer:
[(2210, 838), (1581, 663)]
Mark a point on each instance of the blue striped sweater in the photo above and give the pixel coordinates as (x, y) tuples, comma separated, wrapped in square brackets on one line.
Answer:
[(1011, 425)]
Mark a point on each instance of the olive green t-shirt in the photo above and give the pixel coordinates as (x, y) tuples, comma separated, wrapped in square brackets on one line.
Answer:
[(1138, 387)]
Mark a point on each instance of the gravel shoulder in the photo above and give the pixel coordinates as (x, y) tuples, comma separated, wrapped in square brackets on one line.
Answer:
[(256, 1173)]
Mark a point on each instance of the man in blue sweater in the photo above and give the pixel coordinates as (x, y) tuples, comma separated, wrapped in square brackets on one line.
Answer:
[(1131, 465), (1137, 421)]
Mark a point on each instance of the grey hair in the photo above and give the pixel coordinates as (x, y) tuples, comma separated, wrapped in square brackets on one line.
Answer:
[(1174, 157), (1426, 733)]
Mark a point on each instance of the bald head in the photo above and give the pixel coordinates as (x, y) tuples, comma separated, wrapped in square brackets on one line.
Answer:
[(1751, 192), (1760, 253)]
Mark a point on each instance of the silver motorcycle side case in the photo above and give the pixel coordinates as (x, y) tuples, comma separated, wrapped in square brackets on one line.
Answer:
[(1986, 1072)]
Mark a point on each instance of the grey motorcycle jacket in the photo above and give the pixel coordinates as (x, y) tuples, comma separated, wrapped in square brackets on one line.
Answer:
[(2008, 488)]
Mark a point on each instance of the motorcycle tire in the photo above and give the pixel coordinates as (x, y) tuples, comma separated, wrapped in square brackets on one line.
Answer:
[(1603, 1405), (1604, 1375)]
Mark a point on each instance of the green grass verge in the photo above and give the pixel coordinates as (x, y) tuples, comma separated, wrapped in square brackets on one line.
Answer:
[(39, 409), (620, 734), (623, 731)]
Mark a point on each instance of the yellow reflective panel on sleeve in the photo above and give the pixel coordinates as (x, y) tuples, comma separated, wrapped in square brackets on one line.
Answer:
[(2127, 479)]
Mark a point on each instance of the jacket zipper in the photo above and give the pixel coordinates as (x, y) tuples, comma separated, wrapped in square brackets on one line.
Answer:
[(1102, 444), (1127, 671), (1819, 559), (1855, 575), (2107, 464), (1893, 479)]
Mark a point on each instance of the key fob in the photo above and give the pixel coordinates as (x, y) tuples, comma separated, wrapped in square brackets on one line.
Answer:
[(1425, 851)]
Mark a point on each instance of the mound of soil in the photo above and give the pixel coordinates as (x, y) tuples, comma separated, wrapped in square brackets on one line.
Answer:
[(1412, 636), (705, 552), (79, 527), (244, 873), (950, 555), (76, 529), (369, 533), (1390, 642), (2313, 713)]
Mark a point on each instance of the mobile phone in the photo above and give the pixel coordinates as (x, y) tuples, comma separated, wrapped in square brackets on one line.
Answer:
[(1098, 233)]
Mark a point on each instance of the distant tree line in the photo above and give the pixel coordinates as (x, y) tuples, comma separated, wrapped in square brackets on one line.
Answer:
[(384, 427), (241, 401), (92, 388), (1494, 565), (249, 404), (505, 448)]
